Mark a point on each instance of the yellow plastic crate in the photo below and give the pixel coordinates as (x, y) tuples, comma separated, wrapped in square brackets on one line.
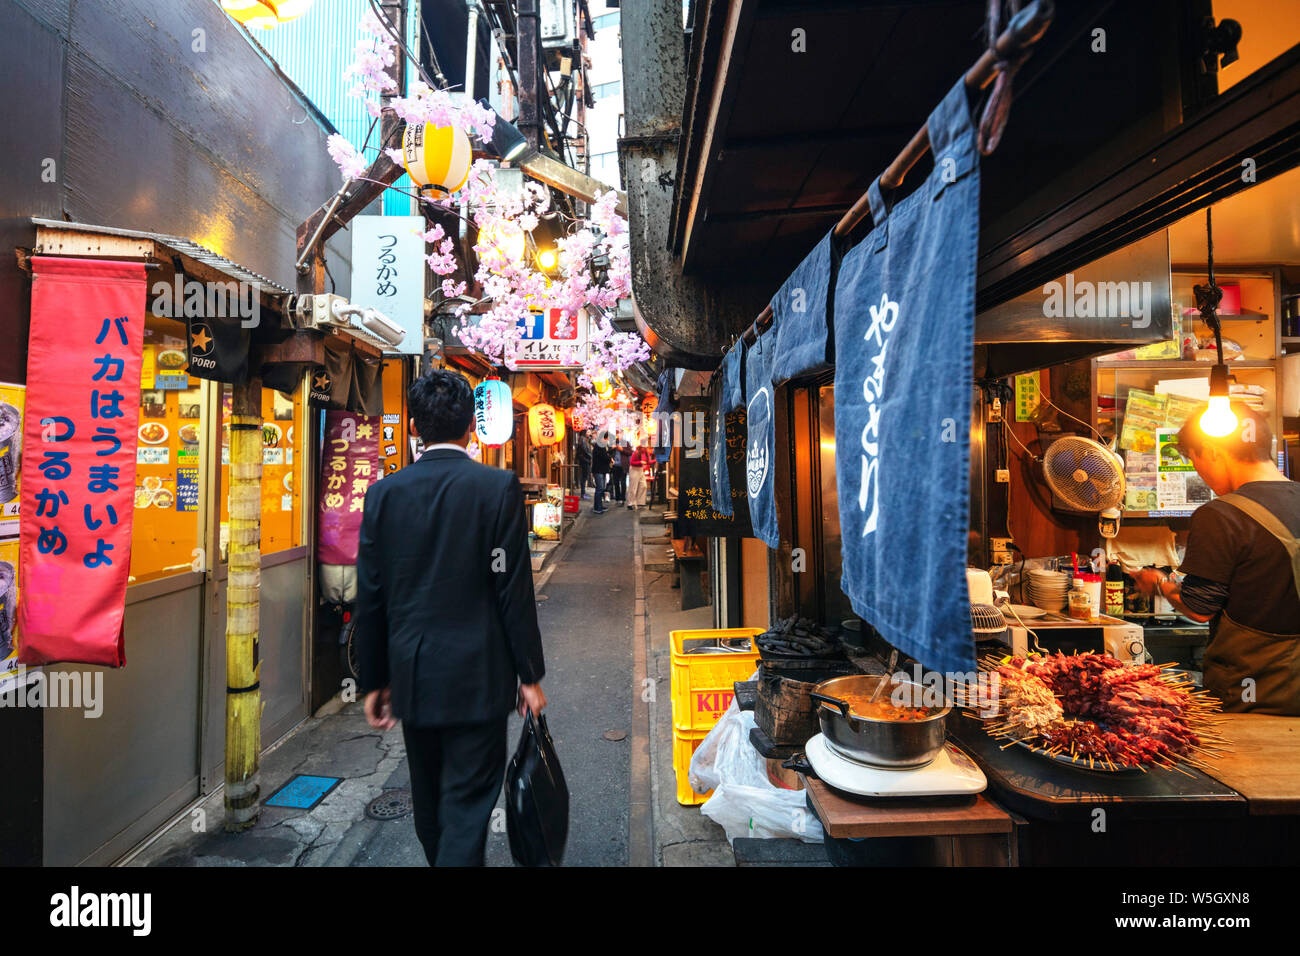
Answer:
[(684, 746), (702, 684)]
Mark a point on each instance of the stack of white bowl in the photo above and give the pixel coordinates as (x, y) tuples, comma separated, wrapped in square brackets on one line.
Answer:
[(1048, 589)]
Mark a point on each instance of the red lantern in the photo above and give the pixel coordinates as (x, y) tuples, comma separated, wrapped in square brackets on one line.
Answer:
[(545, 425)]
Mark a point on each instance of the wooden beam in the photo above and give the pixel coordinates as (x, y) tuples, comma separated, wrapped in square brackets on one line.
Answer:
[(301, 346), (568, 180), (360, 193)]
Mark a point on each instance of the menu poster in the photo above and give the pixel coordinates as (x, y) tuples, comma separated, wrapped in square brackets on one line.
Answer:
[(1178, 486), (11, 454), (695, 514), (170, 363), (187, 489)]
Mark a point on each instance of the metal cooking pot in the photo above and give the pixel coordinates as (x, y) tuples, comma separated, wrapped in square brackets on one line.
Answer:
[(890, 744)]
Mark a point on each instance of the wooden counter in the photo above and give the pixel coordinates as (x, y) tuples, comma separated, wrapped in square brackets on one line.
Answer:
[(1263, 764)]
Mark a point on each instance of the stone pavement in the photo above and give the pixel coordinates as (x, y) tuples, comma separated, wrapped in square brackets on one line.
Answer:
[(590, 619), (683, 835)]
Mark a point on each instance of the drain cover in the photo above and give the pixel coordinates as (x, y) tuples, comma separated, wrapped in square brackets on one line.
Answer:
[(390, 805), (303, 792)]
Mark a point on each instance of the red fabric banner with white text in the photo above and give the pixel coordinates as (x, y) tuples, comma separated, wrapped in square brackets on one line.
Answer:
[(79, 450)]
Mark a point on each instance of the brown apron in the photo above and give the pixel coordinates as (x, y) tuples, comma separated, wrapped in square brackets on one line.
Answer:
[(1237, 652)]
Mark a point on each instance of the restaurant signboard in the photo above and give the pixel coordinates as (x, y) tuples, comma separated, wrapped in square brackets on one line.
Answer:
[(349, 466), (79, 457), (388, 272)]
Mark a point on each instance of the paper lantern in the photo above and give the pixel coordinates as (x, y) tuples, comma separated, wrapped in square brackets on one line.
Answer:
[(265, 13), (437, 158), (579, 420), (545, 425), (602, 384), (494, 414)]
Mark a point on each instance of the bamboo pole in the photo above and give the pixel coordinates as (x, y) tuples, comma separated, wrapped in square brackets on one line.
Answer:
[(243, 693)]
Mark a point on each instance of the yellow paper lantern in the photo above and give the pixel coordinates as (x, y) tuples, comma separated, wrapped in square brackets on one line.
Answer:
[(437, 158), (545, 425), (602, 385), (265, 14)]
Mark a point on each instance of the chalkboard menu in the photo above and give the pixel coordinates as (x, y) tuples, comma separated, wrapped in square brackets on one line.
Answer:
[(695, 501)]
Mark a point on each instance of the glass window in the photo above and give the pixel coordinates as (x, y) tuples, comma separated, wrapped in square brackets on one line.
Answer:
[(603, 91), (171, 443), (605, 20), (282, 443)]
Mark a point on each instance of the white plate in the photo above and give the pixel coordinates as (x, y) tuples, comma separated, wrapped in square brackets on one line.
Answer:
[(158, 441), (950, 772), (1025, 611)]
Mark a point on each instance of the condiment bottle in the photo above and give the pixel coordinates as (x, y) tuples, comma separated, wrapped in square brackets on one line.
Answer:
[(1114, 586), (1080, 603)]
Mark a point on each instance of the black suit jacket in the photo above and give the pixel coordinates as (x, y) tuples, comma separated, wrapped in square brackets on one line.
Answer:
[(445, 610)]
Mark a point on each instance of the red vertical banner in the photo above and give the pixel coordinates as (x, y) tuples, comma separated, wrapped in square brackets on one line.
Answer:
[(349, 466), (79, 450)]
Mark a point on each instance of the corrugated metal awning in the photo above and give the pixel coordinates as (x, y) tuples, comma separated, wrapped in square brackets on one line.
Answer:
[(55, 237)]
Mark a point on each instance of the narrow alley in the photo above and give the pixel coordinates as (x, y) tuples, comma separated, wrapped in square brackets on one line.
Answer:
[(588, 610)]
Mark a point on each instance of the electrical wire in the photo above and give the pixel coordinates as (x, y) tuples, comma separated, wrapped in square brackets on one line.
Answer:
[(1068, 415), (1007, 429), (401, 43)]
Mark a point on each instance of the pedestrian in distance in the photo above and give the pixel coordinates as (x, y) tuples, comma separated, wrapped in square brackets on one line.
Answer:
[(638, 465), (600, 468), (584, 463), (446, 620), (619, 456)]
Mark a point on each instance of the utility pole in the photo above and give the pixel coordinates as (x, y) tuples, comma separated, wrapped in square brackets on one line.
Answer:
[(243, 585), (530, 122)]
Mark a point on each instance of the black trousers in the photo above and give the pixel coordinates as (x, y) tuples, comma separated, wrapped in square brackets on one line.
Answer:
[(456, 775), (618, 478)]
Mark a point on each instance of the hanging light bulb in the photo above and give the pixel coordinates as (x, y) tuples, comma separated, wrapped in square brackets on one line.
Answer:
[(547, 260), (1219, 419)]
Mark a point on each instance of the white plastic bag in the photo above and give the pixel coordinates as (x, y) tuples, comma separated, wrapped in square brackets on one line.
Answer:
[(745, 803)]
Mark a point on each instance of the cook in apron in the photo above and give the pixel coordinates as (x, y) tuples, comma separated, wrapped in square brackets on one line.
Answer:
[(1238, 653)]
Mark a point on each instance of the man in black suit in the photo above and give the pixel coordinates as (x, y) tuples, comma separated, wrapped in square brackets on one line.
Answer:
[(446, 620), (599, 471)]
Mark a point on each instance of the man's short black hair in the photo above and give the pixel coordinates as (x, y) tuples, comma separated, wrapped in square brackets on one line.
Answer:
[(442, 404)]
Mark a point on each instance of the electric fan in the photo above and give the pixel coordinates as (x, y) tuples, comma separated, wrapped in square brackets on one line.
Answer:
[(1086, 476)]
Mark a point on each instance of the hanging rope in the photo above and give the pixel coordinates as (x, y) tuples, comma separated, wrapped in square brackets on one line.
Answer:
[(993, 121), (1209, 296)]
